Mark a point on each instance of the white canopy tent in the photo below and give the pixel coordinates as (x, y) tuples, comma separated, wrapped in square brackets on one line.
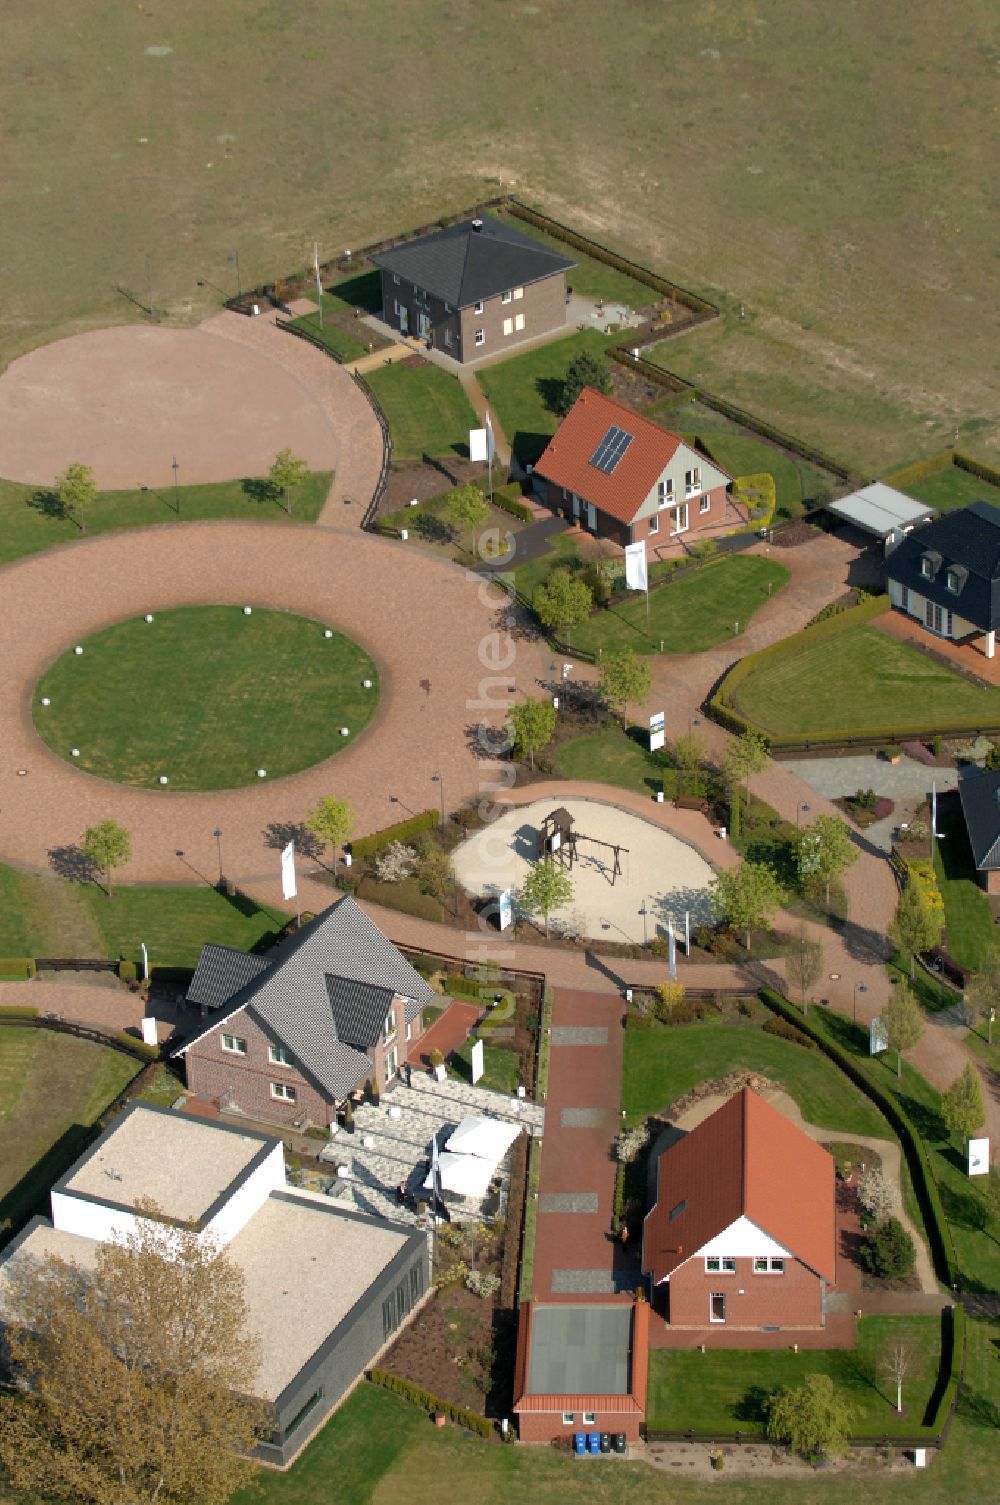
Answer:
[(465, 1175), (489, 1138)]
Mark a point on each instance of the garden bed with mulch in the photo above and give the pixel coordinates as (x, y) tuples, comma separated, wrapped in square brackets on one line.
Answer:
[(430, 478)]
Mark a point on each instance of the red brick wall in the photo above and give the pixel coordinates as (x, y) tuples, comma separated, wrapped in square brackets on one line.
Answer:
[(696, 519), (543, 307), (788, 1300), (546, 1426), (212, 1071)]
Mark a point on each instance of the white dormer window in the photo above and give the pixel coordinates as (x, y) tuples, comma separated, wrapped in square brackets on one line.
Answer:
[(692, 481), (720, 1264), (395, 280), (953, 581), (664, 493), (926, 568), (506, 297)]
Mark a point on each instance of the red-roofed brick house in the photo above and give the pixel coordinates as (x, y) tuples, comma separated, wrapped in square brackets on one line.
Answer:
[(625, 478), (743, 1232), (581, 1366)]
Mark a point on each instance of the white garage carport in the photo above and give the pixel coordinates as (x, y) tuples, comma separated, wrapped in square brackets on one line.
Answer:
[(882, 511)]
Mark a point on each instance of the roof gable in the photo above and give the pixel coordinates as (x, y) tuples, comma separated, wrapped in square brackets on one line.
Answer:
[(746, 1160), (462, 264)]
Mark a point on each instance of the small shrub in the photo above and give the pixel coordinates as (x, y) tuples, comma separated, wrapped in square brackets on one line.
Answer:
[(785, 1030), (126, 971), (865, 799), (876, 1195), (639, 1021), (482, 1283), (751, 1007), (630, 1142), (882, 808), (395, 863), (889, 1251), (435, 1057)]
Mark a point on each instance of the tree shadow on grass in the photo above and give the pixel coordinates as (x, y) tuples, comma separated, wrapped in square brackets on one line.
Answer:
[(752, 1406), (50, 504), (72, 862), (278, 833), (261, 489), (550, 389)]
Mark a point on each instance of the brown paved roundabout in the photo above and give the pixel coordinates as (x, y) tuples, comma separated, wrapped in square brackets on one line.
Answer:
[(428, 626)]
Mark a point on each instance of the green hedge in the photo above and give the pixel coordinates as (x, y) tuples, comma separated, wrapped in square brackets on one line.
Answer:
[(544, 1044), (17, 1011), (907, 475), (17, 967), (136, 1047), (430, 1402), (977, 468), (924, 1185), (403, 830), (404, 898), (952, 1365)]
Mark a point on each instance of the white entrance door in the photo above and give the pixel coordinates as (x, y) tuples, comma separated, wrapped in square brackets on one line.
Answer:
[(679, 518), (591, 517), (404, 317), (423, 325)]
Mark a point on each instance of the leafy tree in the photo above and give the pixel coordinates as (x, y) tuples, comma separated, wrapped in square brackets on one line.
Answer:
[(134, 1377), (992, 759), (889, 1252), (77, 490), (669, 995), (332, 820), (804, 963), (689, 751), (876, 1195), (899, 1361), (562, 601), (624, 677), (287, 472), (917, 927), (587, 369), (982, 992), (469, 509), (962, 1104), (434, 875), (746, 755), (904, 1022), (745, 896), (825, 851), (814, 1417), (547, 887), (532, 724), (108, 846)]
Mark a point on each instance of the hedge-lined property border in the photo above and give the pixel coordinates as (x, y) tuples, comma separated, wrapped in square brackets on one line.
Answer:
[(431, 1403), (924, 1185), (907, 475), (17, 968), (403, 830)]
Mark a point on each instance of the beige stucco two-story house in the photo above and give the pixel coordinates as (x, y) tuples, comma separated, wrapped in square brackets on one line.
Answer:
[(475, 289)]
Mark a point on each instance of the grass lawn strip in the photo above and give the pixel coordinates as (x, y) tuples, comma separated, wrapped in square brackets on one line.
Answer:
[(951, 487), (428, 412), (500, 1067), (688, 615), (524, 391), (857, 680), (662, 1064), (32, 517), (341, 332), (609, 757), (206, 695), (724, 1390), (591, 278), (971, 932)]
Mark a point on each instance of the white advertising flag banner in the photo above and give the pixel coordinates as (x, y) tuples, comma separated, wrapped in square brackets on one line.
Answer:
[(477, 444), (477, 1061), (657, 731), (979, 1157), (636, 576), (878, 1037), (505, 913), (671, 951), (490, 446), (288, 889)]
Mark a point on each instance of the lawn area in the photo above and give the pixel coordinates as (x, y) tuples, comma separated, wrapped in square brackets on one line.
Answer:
[(524, 391), (859, 680), (591, 278), (563, 554), (220, 691), (661, 1064), (52, 1088), (50, 916), (971, 932), (687, 615), (952, 487), (500, 1066), (611, 757), (724, 1390), (32, 517), (341, 333), (428, 412)]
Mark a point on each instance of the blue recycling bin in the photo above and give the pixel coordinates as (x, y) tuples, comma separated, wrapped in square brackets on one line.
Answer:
[(595, 1442), (580, 1443)]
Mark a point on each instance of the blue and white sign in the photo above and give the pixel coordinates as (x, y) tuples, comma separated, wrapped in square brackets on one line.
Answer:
[(979, 1157), (505, 910), (657, 730), (878, 1037)]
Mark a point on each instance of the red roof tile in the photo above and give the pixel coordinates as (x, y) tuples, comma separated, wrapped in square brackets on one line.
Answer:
[(566, 459), (745, 1160)]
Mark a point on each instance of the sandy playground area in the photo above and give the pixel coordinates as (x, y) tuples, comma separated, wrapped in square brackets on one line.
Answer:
[(661, 876)]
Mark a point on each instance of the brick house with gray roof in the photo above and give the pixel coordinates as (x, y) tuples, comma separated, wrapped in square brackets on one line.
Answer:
[(474, 289), (332, 1008)]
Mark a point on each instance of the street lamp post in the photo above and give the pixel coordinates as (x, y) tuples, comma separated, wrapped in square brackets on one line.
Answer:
[(177, 496), (218, 842), (859, 987), (437, 779), (798, 810)]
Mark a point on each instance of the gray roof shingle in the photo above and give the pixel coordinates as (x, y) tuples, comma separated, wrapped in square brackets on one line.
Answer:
[(462, 265), (358, 1008), (292, 997), (221, 973), (980, 796), (969, 537)]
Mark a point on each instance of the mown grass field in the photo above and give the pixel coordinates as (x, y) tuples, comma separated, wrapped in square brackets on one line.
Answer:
[(428, 412), (952, 487), (340, 331), (971, 932), (204, 696), (857, 680)]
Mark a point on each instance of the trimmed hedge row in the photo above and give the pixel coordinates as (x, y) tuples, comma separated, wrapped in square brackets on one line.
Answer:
[(430, 1402), (592, 248), (920, 469), (17, 1011), (924, 1185), (17, 967), (403, 830), (137, 1047), (977, 468), (952, 1367)]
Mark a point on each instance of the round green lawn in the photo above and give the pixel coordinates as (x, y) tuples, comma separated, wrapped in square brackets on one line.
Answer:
[(206, 696)]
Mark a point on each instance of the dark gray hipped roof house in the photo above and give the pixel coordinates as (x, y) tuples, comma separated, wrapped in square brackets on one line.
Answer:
[(954, 563), (980, 796), (472, 261), (323, 992)]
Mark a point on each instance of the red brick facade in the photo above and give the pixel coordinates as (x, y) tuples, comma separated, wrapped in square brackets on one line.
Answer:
[(546, 1426), (606, 526), (246, 1080), (753, 1299)]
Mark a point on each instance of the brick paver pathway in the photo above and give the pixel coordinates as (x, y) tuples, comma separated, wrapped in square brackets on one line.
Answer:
[(450, 1030)]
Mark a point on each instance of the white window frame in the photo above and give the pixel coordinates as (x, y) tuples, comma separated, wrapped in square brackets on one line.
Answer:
[(705, 503), (654, 525), (395, 278), (692, 481), (768, 1264), (506, 297), (478, 307), (721, 1296), (926, 568), (951, 580), (518, 293), (508, 327), (518, 323), (235, 1044), (284, 1092), (720, 1264), (480, 336), (389, 1026), (676, 524), (447, 308), (391, 1063), (590, 1418), (278, 1055), (665, 493), (568, 1418)]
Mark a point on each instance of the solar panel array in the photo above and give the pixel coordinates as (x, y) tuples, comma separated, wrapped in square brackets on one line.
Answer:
[(610, 450)]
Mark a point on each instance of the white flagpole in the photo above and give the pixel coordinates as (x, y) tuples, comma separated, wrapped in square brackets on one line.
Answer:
[(671, 949), (319, 281), (687, 932), (489, 449)]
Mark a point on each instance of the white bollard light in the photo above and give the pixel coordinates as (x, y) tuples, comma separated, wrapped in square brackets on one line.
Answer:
[(74, 752), (46, 700), (247, 610), (148, 617), (262, 773), (164, 779), (78, 649), (328, 632)]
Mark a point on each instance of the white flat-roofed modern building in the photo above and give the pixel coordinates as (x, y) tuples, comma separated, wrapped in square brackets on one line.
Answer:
[(325, 1289)]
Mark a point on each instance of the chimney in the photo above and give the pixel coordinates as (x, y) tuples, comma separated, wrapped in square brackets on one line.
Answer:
[(477, 226)]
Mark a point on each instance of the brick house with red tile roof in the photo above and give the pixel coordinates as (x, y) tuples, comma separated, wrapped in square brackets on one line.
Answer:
[(743, 1231), (581, 1366), (624, 477)]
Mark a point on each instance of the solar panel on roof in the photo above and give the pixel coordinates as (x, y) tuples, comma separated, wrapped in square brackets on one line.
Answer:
[(610, 450)]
